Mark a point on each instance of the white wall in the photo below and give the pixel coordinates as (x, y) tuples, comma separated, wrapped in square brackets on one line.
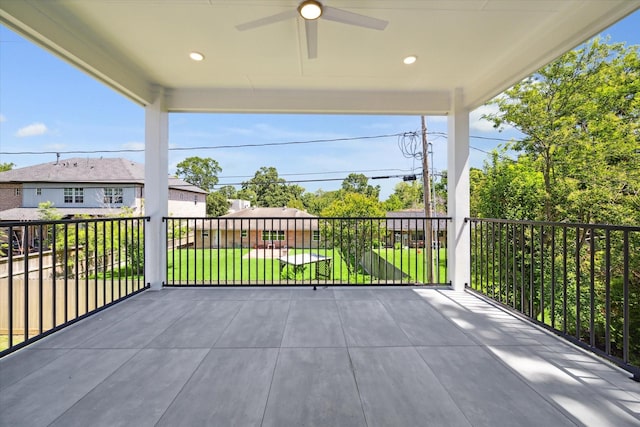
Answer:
[(93, 195), (187, 208)]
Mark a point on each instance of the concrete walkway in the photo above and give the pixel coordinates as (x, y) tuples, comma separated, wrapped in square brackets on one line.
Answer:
[(295, 357)]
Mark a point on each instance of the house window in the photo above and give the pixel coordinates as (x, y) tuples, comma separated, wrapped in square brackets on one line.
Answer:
[(74, 195), (18, 191), (316, 235), (243, 234), (205, 234), (268, 235), (38, 191), (113, 196)]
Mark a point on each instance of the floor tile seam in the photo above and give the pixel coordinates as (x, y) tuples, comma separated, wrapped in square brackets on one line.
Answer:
[(170, 324), (273, 375), (353, 373), (464, 332), (286, 322), (183, 385), (592, 390), (232, 318), (97, 385), (355, 381), (6, 386), (531, 386), (395, 322), (435, 375), (519, 319), (113, 324)]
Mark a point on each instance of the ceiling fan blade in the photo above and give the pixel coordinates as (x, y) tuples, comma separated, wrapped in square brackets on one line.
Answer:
[(311, 29), (267, 20), (346, 17)]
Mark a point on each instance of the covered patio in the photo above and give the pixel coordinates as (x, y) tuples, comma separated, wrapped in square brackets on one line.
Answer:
[(292, 357)]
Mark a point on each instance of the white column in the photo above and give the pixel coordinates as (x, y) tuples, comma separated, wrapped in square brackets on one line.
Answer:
[(459, 240), (156, 189)]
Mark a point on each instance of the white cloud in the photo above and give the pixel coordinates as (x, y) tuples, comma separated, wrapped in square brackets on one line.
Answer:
[(34, 129), (2, 118), (133, 145), (477, 123)]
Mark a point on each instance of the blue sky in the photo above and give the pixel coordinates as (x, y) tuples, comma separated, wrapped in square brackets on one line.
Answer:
[(48, 105)]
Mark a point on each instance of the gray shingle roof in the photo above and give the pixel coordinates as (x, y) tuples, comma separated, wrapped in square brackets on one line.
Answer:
[(269, 213), (88, 170)]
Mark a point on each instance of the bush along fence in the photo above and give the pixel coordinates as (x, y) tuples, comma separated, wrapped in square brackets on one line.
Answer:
[(581, 281), (305, 251), (53, 273)]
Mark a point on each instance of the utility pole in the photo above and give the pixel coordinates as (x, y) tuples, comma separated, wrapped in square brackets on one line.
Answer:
[(426, 190)]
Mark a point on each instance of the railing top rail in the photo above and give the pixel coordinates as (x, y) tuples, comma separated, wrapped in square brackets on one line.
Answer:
[(558, 224), (71, 221), (214, 218)]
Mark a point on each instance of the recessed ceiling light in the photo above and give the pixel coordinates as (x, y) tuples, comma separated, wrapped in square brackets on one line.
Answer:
[(310, 9), (410, 59), (196, 56)]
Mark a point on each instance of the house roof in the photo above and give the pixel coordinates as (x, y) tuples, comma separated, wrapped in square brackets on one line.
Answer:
[(479, 47), (275, 219), (33, 214), (88, 171), (257, 212), (412, 219)]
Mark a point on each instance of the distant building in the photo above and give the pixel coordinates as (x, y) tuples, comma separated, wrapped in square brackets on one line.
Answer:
[(407, 228), (260, 228), (238, 204), (96, 187)]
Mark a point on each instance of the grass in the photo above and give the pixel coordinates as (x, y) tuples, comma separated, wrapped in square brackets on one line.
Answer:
[(413, 261), (229, 266)]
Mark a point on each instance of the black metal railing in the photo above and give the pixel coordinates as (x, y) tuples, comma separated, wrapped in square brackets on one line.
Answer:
[(306, 251), (53, 273), (580, 280)]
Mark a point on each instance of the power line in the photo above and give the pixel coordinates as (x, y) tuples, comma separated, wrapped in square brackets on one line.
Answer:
[(209, 147), (251, 145)]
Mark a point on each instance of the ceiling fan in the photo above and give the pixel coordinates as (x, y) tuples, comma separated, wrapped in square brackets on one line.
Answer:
[(311, 11)]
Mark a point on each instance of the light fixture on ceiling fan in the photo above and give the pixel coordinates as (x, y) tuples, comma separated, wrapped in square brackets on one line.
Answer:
[(311, 11)]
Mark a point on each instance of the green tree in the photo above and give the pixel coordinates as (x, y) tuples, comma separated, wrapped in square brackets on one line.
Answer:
[(198, 171), (507, 189), (410, 194), (228, 191), (393, 203), (359, 183), (217, 204), (581, 119), (316, 202), (267, 189), (6, 166), (354, 233)]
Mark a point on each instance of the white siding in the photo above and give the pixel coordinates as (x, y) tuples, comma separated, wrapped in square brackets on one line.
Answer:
[(93, 195), (187, 208)]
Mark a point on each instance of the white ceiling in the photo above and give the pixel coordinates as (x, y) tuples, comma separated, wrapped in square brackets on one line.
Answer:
[(481, 46)]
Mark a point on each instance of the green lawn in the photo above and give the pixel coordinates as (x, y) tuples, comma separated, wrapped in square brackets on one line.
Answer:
[(228, 266), (413, 263)]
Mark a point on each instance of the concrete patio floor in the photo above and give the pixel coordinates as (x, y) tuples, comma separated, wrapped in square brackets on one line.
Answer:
[(298, 357)]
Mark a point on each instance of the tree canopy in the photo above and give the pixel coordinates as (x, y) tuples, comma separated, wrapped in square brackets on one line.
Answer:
[(6, 166), (198, 171), (267, 189), (580, 117)]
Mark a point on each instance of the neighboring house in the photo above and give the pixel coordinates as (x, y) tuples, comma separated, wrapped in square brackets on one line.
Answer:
[(238, 204), (407, 228), (260, 228), (95, 187)]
